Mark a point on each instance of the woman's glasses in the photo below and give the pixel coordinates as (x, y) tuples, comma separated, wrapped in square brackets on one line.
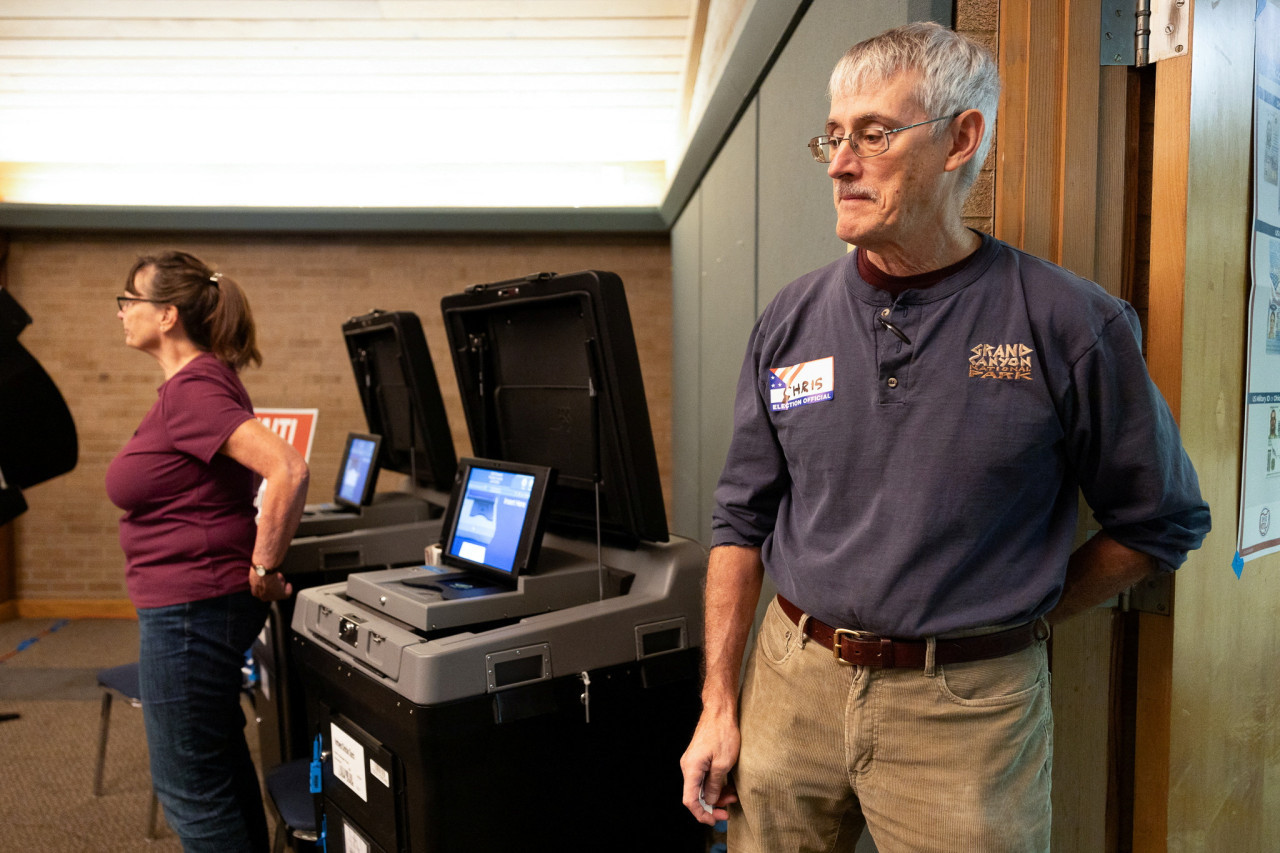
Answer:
[(122, 302)]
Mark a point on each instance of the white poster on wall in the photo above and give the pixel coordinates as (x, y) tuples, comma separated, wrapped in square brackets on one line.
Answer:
[(1259, 527)]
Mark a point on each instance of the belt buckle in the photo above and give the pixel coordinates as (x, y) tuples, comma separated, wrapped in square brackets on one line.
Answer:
[(856, 636)]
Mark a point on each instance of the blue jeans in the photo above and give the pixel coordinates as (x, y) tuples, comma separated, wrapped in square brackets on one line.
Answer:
[(190, 660)]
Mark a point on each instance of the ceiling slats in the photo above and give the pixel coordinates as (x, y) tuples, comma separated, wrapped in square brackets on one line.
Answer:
[(427, 84), (313, 94), (465, 66), (111, 48), (277, 30), (485, 10), (451, 107)]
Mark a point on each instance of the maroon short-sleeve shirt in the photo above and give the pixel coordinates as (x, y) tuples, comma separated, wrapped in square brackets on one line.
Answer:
[(188, 528)]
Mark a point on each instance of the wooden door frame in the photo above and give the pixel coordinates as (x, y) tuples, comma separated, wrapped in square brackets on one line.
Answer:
[(1066, 189)]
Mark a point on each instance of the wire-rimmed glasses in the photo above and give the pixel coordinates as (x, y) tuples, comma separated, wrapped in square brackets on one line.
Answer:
[(869, 141)]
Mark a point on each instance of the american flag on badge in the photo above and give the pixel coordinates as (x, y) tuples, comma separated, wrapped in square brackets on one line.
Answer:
[(777, 389), (801, 384)]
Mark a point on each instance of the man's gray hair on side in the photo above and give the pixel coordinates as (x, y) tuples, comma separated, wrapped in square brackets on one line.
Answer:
[(956, 74)]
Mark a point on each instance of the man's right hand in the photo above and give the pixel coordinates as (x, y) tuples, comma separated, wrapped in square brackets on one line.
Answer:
[(706, 765), (734, 576)]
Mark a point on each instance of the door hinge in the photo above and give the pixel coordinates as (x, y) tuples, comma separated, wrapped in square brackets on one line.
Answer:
[(1153, 594), (1141, 32)]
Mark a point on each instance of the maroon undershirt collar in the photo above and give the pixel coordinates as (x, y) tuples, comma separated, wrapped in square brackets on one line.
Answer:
[(896, 284)]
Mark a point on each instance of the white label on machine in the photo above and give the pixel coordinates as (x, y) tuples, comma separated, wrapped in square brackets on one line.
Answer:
[(352, 841), (348, 761), (379, 772)]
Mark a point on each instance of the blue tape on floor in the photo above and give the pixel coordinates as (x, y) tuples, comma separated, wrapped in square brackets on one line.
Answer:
[(30, 641)]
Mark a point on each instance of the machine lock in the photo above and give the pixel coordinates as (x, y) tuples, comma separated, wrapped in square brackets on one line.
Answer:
[(349, 629)]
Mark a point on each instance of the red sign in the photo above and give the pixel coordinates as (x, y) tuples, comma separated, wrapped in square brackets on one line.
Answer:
[(296, 426)]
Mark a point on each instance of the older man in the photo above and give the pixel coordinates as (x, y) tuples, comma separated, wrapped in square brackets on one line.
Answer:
[(913, 424)]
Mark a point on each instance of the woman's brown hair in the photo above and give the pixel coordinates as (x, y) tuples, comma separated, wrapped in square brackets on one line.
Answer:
[(213, 308)]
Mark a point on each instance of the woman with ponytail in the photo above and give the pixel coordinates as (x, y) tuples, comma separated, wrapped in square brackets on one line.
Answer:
[(199, 568)]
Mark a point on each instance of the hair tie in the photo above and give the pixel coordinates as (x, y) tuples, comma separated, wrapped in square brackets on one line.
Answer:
[(213, 279)]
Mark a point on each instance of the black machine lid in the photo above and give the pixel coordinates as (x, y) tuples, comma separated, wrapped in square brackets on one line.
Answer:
[(401, 397), (549, 375)]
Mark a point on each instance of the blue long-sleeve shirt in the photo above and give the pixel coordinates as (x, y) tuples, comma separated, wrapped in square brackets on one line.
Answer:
[(922, 486)]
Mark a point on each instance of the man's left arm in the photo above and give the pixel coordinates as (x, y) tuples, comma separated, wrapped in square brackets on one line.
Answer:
[(1134, 472), (1098, 570)]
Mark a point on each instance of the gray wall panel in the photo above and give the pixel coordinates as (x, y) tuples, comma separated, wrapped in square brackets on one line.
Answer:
[(686, 355), (728, 301)]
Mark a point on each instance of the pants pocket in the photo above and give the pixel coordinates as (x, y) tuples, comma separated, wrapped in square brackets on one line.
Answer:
[(1005, 680), (779, 636)]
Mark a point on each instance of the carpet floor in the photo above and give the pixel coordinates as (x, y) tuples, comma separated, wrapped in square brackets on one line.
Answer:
[(51, 705)]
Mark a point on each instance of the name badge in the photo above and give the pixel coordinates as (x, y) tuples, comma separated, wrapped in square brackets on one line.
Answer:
[(802, 384)]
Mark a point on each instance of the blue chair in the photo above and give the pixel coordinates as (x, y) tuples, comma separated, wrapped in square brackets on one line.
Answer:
[(122, 680), (289, 787)]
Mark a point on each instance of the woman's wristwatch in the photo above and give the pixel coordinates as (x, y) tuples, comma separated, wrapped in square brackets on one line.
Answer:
[(263, 571)]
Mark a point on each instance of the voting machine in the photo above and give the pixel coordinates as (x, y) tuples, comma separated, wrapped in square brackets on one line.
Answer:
[(533, 684)]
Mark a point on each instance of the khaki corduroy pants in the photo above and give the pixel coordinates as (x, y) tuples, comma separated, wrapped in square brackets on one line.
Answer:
[(952, 761)]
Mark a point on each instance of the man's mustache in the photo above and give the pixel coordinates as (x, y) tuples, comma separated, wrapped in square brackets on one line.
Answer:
[(852, 189)]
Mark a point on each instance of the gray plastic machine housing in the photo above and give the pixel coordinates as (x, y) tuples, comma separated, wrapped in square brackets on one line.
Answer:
[(431, 649)]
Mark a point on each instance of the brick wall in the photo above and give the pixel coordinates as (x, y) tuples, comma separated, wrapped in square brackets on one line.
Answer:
[(301, 289), (980, 20)]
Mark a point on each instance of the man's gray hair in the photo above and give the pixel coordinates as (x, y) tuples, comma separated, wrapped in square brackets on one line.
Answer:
[(956, 74)]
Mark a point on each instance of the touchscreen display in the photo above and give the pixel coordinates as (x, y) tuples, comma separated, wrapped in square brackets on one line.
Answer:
[(358, 474), (492, 517)]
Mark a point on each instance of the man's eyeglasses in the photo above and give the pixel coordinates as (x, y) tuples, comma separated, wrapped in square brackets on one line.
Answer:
[(871, 141), (122, 302)]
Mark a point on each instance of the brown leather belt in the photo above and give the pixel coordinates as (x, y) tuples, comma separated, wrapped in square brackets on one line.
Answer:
[(862, 648)]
